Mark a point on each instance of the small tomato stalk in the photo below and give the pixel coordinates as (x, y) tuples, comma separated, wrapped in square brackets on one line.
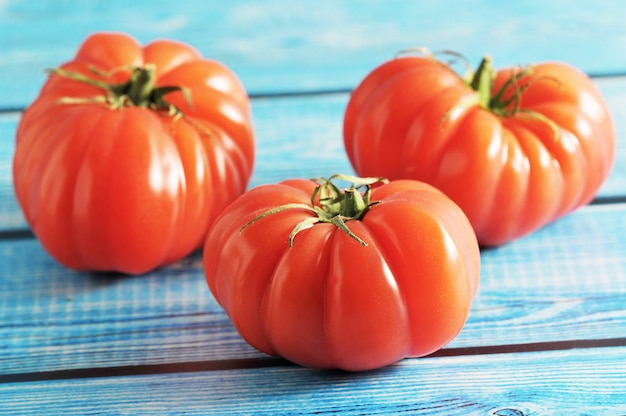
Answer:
[(482, 82), (332, 205), (139, 91)]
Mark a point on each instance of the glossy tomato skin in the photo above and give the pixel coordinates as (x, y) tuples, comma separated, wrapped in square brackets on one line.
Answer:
[(511, 172), (329, 302), (132, 189)]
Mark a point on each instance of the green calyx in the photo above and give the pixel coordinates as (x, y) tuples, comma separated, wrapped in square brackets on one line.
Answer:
[(496, 103), (139, 91), (507, 101), (482, 81), (332, 205)]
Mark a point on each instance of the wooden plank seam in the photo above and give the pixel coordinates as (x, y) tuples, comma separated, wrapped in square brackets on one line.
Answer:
[(266, 362)]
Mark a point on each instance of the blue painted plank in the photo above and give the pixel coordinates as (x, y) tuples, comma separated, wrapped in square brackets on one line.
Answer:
[(280, 45), (581, 382), (566, 282), (10, 214), (53, 318), (302, 137)]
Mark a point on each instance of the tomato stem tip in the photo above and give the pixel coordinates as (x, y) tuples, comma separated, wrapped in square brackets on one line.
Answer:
[(332, 205), (139, 90)]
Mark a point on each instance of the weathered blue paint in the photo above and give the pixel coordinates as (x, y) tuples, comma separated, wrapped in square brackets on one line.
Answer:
[(280, 45), (547, 331)]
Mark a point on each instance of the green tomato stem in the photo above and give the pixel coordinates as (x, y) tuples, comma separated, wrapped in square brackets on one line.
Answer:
[(505, 102), (482, 82), (331, 205), (140, 87), (139, 91)]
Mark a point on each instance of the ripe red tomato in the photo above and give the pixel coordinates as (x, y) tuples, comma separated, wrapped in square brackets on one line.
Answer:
[(344, 279), (515, 149), (129, 153)]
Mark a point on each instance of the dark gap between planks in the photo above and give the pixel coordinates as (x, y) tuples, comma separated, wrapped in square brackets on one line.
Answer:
[(23, 234), (252, 95), (333, 91), (268, 362)]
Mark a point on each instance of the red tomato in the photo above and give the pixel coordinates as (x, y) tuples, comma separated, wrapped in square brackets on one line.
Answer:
[(354, 281), (515, 149), (129, 153)]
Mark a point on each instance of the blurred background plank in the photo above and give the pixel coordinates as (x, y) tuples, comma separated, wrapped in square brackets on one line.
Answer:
[(279, 46)]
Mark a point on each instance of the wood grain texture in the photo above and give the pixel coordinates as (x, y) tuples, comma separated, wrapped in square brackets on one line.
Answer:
[(575, 382), (547, 331), (279, 45), (566, 282)]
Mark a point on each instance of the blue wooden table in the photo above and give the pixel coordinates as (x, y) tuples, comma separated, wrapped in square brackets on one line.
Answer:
[(546, 333)]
